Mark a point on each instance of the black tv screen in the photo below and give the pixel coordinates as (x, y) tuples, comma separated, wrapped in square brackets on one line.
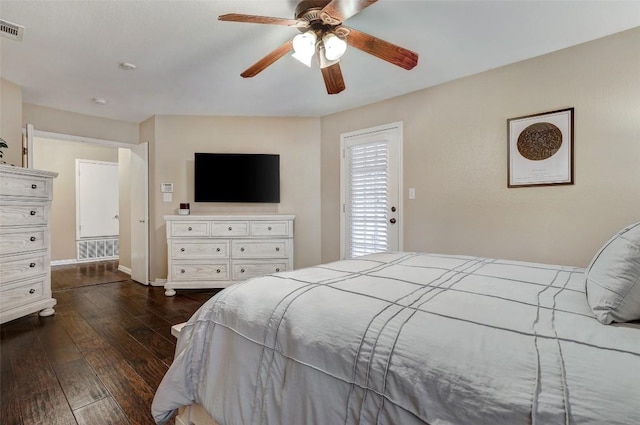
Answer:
[(234, 177)]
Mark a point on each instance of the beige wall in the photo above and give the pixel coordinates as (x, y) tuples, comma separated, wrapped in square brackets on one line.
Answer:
[(455, 156), (60, 156), (64, 122), (297, 140), (11, 121)]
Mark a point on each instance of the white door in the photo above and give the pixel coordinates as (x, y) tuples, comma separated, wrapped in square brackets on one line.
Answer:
[(139, 213), (97, 200), (371, 182)]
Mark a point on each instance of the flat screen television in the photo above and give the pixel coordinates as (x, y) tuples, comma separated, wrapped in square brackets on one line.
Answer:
[(236, 177)]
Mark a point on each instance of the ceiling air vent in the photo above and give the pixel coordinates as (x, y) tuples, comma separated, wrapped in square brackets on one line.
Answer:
[(11, 30)]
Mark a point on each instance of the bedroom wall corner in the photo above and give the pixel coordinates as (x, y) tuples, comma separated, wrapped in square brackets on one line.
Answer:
[(455, 156), (296, 140)]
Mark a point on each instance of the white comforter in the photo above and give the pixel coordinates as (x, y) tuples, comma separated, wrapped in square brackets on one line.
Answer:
[(406, 338)]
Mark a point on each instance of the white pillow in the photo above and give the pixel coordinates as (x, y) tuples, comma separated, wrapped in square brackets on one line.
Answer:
[(613, 278)]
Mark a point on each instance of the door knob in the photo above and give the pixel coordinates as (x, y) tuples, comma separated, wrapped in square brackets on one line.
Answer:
[(392, 221)]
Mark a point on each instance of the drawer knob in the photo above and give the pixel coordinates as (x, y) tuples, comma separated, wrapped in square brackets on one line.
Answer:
[(32, 238), (230, 228), (217, 249), (217, 270), (269, 228), (190, 229), (32, 265), (181, 270), (241, 270), (277, 269), (181, 249), (32, 291), (33, 212), (277, 249), (34, 186), (241, 249)]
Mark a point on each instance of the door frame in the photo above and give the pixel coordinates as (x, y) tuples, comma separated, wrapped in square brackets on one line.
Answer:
[(396, 131), (139, 214), (29, 133)]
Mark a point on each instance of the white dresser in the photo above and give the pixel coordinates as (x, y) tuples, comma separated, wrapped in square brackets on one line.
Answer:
[(215, 251), (25, 248)]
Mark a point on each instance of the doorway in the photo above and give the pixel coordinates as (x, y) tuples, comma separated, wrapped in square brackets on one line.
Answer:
[(59, 154), (371, 184)]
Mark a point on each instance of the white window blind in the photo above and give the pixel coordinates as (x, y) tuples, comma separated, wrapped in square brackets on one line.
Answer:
[(367, 198)]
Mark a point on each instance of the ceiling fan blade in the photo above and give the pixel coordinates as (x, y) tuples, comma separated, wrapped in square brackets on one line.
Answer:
[(340, 10), (253, 19), (259, 66), (383, 49), (333, 79)]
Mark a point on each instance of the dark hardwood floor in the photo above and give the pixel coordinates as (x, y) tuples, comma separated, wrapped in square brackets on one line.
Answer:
[(99, 359)]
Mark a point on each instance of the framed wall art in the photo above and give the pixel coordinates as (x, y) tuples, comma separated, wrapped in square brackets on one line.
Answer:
[(540, 149)]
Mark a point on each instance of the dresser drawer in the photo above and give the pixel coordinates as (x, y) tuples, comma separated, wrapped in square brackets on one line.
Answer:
[(21, 293), (247, 270), (24, 241), (270, 228), (190, 228), (31, 187), (204, 249), (230, 228), (259, 248), (23, 215), (21, 267), (185, 271)]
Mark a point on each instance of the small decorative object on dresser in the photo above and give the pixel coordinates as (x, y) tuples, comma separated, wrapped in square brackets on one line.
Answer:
[(184, 209), (25, 248), (215, 251)]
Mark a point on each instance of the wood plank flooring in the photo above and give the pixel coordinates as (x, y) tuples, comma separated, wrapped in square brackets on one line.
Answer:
[(99, 359)]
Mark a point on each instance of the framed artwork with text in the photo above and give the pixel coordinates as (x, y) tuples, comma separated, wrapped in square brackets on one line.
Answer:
[(540, 149)]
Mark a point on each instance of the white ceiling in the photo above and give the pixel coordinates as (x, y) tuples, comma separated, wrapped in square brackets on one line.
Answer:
[(189, 63)]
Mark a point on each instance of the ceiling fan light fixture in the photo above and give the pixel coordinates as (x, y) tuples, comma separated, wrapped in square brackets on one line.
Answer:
[(322, 57), (334, 46), (304, 47)]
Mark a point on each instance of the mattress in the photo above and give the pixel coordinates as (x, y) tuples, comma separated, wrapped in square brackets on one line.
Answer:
[(406, 338)]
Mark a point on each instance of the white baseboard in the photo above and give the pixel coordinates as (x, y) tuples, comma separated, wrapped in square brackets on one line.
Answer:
[(76, 261), (124, 269), (63, 262), (158, 282)]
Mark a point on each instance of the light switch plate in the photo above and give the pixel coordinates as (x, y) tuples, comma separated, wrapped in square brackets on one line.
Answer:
[(167, 197)]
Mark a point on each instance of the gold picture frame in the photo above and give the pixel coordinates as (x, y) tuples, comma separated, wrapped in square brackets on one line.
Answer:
[(540, 149)]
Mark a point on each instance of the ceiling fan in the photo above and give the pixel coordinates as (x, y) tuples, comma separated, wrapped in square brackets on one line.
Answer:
[(323, 36)]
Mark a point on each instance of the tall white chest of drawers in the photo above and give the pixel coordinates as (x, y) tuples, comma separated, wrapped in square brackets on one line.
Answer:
[(215, 251), (25, 247)]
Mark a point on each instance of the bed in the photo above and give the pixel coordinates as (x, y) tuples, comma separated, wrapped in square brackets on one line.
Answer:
[(413, 338)]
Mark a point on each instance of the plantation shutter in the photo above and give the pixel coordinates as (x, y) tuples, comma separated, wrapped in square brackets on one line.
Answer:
[(367, 198)]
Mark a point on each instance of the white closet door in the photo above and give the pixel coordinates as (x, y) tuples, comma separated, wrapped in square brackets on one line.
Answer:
[(97, 199), (371, 187)]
